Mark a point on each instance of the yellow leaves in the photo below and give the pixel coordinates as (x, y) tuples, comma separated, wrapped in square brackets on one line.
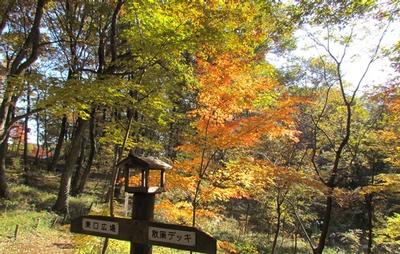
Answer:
[(228, 86), (179, 212), (387, 135), (227, 247), (384, 183), (263, 175), (167, 28), (390, 234)]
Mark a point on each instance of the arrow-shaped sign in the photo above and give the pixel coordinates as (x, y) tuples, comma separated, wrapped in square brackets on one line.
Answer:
[(146, 232)]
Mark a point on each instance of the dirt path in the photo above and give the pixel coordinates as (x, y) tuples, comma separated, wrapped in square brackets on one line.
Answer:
[(57, 243)]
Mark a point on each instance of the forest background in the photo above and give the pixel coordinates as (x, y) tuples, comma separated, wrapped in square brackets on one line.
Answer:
[(295, 157)]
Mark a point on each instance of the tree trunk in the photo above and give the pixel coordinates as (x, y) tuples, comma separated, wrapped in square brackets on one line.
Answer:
[(45, 132), (4, 192), (18, 146), (278, 224), (57, 151), (325, 226), (77, 176), (20, 63), (370, 209), (26, 130), (92, 154), (195, 201), (370, 212), (246, 225), (37, 140), (27, 55), (62, 203), (283, 230)]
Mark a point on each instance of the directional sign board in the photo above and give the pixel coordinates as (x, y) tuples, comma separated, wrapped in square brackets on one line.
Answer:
[(146, 232), (187, 238), (100, 226), (180, 237)]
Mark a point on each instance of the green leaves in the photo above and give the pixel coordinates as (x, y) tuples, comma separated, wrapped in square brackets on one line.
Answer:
[(388, 236)]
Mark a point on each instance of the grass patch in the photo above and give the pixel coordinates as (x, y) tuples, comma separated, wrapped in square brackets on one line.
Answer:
[(29, 209), (28, 221), (32, 232)]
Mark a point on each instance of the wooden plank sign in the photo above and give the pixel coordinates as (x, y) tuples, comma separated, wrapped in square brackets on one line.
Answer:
[(146, 232), (179, 237), (100, 226)]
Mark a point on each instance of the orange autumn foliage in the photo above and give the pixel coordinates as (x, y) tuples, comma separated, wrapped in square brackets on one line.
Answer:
[(239, 102), (228, 115)]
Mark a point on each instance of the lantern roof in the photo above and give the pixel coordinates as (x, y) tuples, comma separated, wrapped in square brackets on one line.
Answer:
[(149, 162)]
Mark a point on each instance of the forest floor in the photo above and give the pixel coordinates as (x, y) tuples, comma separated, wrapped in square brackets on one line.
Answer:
[(29, 226)]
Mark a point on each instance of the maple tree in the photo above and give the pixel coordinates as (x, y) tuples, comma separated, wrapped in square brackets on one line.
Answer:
[(238, 104)]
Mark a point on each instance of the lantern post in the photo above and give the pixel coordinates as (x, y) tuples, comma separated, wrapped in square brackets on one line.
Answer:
[(144, 177)]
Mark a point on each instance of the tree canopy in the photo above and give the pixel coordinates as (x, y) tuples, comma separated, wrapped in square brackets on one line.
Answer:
[(274, 149)]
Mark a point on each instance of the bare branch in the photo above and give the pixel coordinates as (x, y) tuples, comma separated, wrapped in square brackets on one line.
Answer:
[(372, 59), (346, 45), (5, 14)]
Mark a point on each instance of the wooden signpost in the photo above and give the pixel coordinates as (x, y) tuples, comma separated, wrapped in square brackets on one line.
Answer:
[(141, 230), (146, 233)]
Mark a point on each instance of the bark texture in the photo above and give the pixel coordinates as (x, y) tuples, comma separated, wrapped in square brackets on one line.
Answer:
[(62, 203)]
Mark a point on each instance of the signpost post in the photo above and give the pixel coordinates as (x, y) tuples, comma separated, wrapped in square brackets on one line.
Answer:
[(141, 230)]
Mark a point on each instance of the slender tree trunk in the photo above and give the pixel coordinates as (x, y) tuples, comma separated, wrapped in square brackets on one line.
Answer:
[(278, 223), (37, 140), (370, 214), (26, 130), (92, 153), (45, 132), (283, 230), (325, 226), (57, 150), (246, 225), (62, 203), (370, 209), (18, 146), (110, 193), (195, 201), (118, 155)]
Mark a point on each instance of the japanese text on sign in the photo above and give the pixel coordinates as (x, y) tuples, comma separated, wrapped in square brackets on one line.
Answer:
[(100, 226), (166, 235)]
